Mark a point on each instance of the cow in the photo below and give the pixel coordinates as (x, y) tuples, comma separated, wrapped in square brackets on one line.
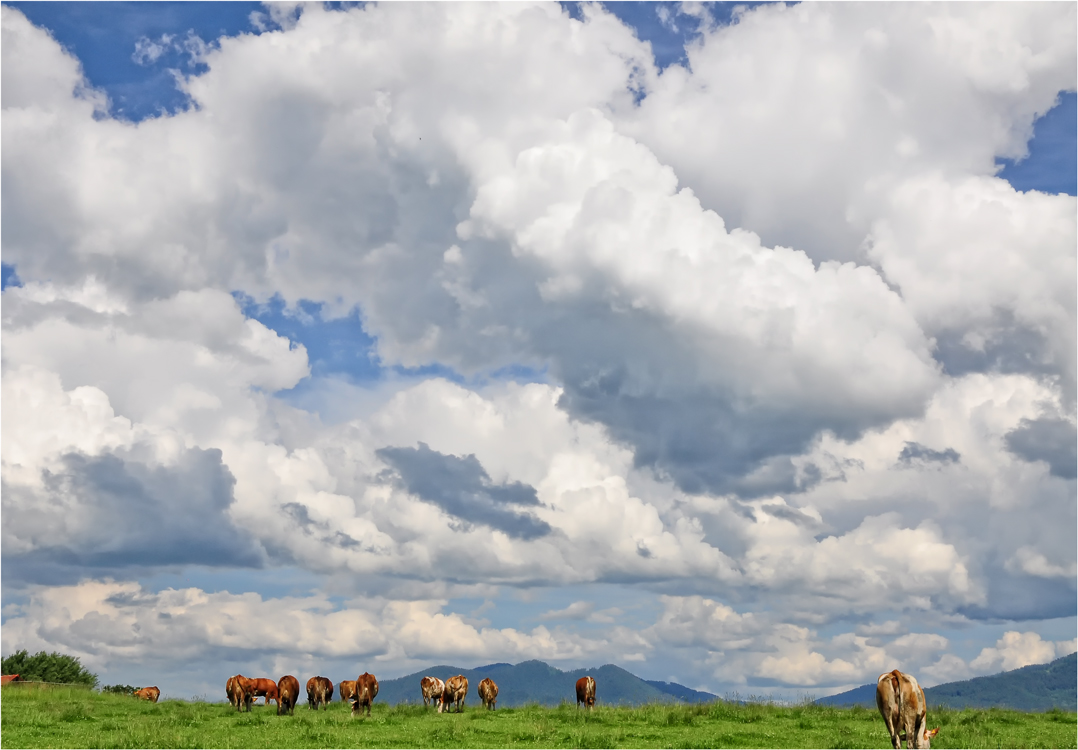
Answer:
[(585, 692), (455, 691), (238, 694), (901, 702), (262, 687), (432, 689), (366, 690), (150, 694), (347, 689), (319, 692), (5, 679), (287, 695), (488, 693)]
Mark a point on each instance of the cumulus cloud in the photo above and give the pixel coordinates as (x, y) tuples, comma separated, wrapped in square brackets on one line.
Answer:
[(1015, 650), (811, 365), (84, 489), (106, 621)]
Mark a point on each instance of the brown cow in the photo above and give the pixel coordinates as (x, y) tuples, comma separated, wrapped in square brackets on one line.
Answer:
[(150, 694), (432, 689), (585, 692), (348, 689), (262, 687), (287, 695), (319, 692), (366, 690), (488, 693), (456, 690), (5, 679), (901, 702), (237, 690)]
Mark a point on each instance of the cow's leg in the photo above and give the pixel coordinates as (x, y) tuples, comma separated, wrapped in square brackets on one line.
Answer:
[(919, 732), (908, 723)]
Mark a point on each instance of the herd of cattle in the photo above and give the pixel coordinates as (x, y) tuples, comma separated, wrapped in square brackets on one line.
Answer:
[(360, 692), (899, 697)]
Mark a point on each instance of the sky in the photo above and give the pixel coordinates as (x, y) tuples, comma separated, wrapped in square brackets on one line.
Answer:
[(731, 345)]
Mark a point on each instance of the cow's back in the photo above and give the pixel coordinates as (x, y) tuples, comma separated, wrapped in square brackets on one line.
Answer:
[(366, 691), (488, 693), (287, 694), (901, 703), (585, 691)]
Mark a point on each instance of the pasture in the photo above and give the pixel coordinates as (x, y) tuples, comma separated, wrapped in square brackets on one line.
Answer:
[(63, 717)]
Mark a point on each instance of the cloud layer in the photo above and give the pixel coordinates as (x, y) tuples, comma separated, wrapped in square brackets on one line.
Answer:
[(801, 367)]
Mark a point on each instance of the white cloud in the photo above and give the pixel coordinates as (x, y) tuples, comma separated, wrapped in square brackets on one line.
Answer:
[(1015, 650), (803, 351), (105, 622), (802, 117), (147, 51)]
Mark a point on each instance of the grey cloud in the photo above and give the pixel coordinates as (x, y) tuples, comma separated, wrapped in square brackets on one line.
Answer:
[(917, 453), (299, 514), (462, 488), (114, 513), (704, 438), (1054, 441), (1016, 597), (793, 515)]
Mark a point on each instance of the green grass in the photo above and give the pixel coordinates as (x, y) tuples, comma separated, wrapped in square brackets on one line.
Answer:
[(63, 717)]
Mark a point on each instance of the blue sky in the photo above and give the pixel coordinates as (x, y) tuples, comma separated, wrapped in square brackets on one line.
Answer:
[(429, 348)]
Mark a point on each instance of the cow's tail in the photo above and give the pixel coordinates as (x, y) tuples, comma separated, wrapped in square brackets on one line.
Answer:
[(896, 686)]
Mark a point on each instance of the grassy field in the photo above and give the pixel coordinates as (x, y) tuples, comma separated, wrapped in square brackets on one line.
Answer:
[(63, 717)]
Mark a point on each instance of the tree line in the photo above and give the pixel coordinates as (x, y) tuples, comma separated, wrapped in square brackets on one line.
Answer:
[(48, 667)]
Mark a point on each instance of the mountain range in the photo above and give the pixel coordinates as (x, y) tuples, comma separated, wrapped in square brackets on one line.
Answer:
[(538, 682), (1037, 687)]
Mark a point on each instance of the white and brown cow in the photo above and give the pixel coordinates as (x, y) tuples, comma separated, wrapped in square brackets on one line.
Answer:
[(902, 704), (488, 693), (366, 690), (432, 689), (456, 690), (585, 692)]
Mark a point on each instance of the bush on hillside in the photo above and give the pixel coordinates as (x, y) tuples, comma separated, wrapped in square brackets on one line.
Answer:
[(121, 689), (45, 667)]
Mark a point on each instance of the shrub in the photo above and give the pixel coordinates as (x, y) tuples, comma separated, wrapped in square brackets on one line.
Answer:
[(122, 689), (45, 667)]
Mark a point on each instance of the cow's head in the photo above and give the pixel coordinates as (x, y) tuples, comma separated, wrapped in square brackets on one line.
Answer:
[(926, 737)]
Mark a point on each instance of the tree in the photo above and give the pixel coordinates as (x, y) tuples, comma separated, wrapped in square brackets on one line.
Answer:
[(44, 667), (121, 689)]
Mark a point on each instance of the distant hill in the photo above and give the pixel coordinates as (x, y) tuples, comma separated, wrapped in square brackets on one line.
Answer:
[(538, 682), (1037, 687)]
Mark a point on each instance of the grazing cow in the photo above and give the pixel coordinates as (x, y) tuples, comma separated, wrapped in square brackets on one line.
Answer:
[(901, 702), (432, 689), (488, 693), (348, 690), (455, 691), (319, 692), (238, 694), (5, 679), (262, 687), (366, 690), (150, 694), (585, 692), (287, 695)]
